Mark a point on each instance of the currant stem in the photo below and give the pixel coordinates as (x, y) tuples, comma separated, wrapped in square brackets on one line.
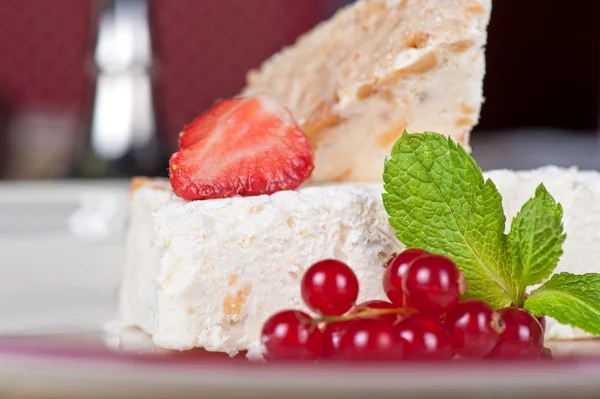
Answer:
[(369, 312), (389, 259), (520, 299)]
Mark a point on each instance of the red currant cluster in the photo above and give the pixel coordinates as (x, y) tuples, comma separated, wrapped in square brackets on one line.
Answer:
[(423, 320)]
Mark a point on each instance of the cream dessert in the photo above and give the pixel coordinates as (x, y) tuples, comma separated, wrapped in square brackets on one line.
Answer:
[(209, 273), (355, 82)]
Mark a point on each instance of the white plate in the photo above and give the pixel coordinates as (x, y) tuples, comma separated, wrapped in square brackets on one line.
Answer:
[(61, 247)]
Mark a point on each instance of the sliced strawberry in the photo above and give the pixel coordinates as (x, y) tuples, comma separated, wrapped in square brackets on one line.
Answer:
[(204, 124), (243, 146)]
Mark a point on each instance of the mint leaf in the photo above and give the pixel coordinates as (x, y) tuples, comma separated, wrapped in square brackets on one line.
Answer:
[(572, 299), (437, 199), (536, 238), (549, 201)]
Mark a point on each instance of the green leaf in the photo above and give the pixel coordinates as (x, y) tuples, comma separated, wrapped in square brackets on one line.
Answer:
[(549, 201), (437, 200), (572, 299), (536, 238)]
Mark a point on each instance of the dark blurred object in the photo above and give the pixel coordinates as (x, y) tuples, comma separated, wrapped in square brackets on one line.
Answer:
[(122, 138), (543, 65), (41, 142), (529, 148), (42, 78), (4, 118)]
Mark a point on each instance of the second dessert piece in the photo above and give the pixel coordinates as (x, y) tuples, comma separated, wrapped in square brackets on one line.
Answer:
[(356, 81)]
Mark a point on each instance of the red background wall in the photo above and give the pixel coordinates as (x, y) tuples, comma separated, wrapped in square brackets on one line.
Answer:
[(43, 47)]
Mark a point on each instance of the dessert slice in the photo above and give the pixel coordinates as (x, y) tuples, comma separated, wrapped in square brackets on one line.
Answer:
[(209, 273), (355, 82)]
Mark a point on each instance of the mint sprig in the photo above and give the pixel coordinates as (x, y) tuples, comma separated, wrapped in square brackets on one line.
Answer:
[(535, 240), (437, 199), (572, 299)]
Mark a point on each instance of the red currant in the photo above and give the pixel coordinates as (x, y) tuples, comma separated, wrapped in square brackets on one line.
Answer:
[(522, 338), (371, 339), (376, 304), (542, 321), (332, 335), (334, 331), (433, 284), (329, 287), (426, 337), (290, 335), (394, 273), (474, 328)]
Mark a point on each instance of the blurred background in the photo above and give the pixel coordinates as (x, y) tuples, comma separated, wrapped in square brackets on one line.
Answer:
[(92, 88)]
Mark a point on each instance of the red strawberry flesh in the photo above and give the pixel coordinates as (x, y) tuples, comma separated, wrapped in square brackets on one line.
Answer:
[(243, 146)]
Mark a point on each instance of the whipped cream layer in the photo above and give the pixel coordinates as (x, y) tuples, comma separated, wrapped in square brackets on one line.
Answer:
[(209, 273)]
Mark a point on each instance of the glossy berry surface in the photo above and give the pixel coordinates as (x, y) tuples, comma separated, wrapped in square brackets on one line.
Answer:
[(289, 335), (426, 338), (542, 321), (334, 331), (433, 284), (371, 339), (377, 304), (329, 287), (394, 273), (522, 338), (474, 328), (332, 335)]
